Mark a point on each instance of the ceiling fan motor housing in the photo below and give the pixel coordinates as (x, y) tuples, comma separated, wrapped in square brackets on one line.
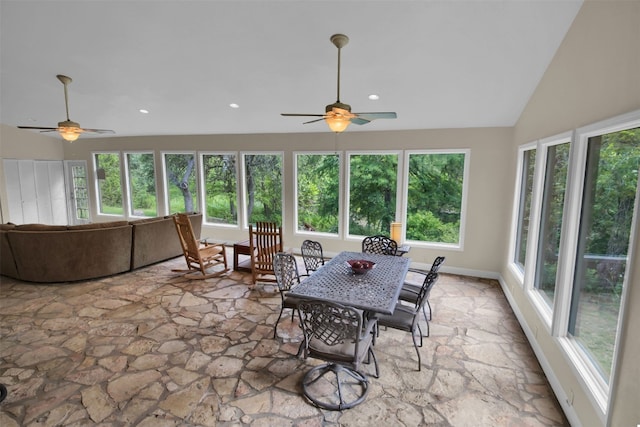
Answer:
[(339, 105), (68, 124)]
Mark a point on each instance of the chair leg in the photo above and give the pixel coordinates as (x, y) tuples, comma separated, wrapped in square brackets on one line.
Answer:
[(427, 318), (275, 327), (415, 344), (375, 362)]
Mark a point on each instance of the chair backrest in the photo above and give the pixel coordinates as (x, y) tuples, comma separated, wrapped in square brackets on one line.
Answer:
[(312, 255), (285, 269), (379, 244), (437, 263), (329, 328), (190, 245), (429, 281), (265, 240)]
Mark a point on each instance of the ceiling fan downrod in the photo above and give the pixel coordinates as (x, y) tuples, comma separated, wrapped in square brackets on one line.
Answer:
[(339, 40), (65, 81)]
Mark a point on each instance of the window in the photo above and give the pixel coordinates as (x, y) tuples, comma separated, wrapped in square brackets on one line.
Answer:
[(582, 209), (220, 192), (79, 190), (373, 187), (109, 185), (141, 183), (180, 182), (551, 219), (527, 163), (435, 195), (263, 187), (607, 210), (318, 192)]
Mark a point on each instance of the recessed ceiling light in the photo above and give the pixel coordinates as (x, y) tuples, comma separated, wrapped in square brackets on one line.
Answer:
[(374, 97), (143, 111), (234, 105)]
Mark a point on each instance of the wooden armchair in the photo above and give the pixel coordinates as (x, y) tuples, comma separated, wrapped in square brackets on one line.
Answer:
[(199, 256), (265, 240)]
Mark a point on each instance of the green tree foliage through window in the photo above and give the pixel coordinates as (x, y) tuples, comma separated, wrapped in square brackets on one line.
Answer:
[(142, 184), (109, 185), (524, 211), (263, 175), (181, 182), (555, 182), (318, 192), (434, 197), (220, 183), (372, 193)]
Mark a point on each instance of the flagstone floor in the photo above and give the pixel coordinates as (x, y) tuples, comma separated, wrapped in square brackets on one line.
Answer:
[(151, 348)]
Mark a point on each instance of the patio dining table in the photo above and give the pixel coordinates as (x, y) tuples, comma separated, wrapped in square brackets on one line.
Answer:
[(375, 291)]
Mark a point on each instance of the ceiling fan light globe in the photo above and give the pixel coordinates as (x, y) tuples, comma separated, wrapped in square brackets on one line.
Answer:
[(337, 123), (69, 133)]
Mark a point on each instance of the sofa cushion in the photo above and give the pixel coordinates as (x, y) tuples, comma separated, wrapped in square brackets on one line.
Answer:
[(154, 241)]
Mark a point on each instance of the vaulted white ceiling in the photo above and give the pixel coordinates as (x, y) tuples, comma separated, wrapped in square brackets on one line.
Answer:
[(438, 64)]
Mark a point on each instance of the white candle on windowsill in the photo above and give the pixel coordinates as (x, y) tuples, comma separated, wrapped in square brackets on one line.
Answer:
[(396, 232)]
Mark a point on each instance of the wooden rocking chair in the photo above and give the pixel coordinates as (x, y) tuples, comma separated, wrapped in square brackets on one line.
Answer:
[(199, 258), (265, 242)]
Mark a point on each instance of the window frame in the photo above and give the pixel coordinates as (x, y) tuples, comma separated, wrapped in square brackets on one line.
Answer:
[(546, 311), (203, 202), (341, 181), (514, 266), (463, 203)]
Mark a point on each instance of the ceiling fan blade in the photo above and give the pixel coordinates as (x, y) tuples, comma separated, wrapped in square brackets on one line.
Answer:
[(301, 115), (359, 121), (373, 116), (364, 118), (313, 121), (37, 127), (98, 130)]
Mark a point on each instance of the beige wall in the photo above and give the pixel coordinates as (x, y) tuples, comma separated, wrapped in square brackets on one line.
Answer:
[(595, 75), (487, 192)]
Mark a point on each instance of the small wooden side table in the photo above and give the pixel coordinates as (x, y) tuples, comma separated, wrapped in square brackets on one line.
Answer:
[(241, 248)]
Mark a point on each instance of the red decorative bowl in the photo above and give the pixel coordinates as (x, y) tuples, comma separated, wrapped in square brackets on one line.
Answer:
[(360, 266)]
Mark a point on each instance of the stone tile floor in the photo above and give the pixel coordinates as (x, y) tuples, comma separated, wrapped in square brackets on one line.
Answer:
[(151, 348)]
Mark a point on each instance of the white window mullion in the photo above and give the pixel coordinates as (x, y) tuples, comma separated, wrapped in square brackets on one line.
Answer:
[(569, 239)]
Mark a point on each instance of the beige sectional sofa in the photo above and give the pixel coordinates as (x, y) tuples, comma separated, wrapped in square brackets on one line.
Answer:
[(59, 253)]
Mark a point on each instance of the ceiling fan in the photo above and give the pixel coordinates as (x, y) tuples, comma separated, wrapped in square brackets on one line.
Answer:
[(69, 130), (338, 115)]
